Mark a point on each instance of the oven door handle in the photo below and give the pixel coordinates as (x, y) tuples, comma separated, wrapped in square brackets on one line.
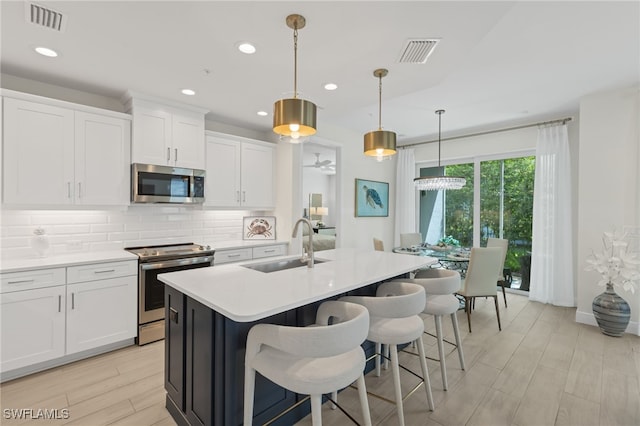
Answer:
[(176, 262)]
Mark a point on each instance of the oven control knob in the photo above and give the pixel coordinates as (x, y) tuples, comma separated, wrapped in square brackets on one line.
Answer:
[(154, 252), (208, 247)]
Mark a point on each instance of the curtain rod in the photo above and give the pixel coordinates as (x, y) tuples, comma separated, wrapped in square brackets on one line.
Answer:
[(542, 123)]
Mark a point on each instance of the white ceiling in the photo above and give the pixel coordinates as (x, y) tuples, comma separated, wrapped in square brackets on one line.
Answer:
[(498, 63)]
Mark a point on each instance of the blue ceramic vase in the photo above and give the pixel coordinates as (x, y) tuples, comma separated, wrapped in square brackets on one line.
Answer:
[(612, 312)]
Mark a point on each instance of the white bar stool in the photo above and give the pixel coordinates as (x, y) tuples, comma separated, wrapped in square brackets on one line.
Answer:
[(441, 286), (314, 360), (395, 320)]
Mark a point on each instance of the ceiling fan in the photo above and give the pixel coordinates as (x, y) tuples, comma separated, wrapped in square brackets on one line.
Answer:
[(325, 164)]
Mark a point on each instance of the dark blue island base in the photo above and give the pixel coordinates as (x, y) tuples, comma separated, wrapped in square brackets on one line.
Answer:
[(204, 364)]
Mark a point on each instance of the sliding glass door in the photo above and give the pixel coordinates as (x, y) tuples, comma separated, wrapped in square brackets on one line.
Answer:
[(505, 208)]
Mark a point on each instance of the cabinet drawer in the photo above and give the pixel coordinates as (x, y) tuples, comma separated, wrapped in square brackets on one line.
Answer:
[(268, 251), (227, 256), (27, 280), (101, 271)]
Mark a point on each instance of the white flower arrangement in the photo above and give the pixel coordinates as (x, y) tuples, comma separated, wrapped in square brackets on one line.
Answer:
[(616, 265)]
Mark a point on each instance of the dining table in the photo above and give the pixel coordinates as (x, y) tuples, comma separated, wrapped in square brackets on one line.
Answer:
[(456, 258)]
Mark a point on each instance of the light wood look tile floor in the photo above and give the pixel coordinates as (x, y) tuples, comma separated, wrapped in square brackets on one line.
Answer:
[(541, 369)]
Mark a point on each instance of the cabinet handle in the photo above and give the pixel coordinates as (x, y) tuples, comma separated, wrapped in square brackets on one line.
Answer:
[(79, 189), (168, 154), (238, 196), (21, 281), (104, 271), (244, 196), (59, 303), (173, 315), (233, 255), (176, 155), (270, 251), (73, 300), (68, 189)]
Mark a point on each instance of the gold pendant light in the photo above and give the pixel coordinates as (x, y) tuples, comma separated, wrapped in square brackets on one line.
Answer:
[(380, 143), (294, 119), (436, 183)]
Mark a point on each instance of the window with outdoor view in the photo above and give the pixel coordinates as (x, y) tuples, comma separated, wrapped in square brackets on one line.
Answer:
[(505, 210)]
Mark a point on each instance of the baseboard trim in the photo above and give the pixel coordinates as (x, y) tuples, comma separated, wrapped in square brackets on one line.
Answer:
[(588, 318), (45, 365)]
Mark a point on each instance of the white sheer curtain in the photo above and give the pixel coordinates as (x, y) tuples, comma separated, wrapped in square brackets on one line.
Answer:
[(552, 255), (405, 217)]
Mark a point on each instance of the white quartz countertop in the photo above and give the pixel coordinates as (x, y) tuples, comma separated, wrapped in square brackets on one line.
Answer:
[(62, 260), (246, 295)]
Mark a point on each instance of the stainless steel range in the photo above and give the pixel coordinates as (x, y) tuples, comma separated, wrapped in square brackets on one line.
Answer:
[(154, 260)]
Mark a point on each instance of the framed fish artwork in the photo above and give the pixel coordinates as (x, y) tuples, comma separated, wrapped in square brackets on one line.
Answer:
[(372, 198)]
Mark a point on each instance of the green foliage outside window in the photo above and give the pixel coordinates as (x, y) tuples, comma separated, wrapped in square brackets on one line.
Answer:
[(517, 215), (459, 206)]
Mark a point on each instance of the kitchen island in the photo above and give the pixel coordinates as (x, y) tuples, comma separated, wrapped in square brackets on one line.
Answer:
[(210, 311)]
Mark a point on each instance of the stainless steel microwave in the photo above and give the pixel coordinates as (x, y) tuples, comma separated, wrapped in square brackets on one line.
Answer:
[(165, 184)]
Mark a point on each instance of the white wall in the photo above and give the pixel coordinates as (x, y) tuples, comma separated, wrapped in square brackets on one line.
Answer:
[(352, 164), (609, 185)]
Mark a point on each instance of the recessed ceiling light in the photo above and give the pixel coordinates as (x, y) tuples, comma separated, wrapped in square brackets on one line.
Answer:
[(247, 48), (45, 51), (262, 113), (188, 92), (330, 86)]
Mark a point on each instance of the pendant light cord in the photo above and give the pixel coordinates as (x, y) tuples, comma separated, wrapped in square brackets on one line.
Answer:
[(380, 102), (295, 62), (439, 112)]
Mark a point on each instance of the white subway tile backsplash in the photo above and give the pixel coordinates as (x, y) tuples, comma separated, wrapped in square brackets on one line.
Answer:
[(164, 234), (69, 229), (17, 231), (123, 236), (107, 245), (13, 218), (107, 227), (11, 242), (139, 225)]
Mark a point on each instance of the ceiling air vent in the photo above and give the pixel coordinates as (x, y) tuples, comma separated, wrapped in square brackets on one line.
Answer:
[(417, 50), (45, 17)]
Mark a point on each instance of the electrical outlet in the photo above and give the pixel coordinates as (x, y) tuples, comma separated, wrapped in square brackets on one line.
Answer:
[(74, 245)]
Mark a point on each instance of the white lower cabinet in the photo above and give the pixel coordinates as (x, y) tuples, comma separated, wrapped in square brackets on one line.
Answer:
[(33, 326), (50, 313), (269, 251), (229, 256), (100, 312), (248, 253)]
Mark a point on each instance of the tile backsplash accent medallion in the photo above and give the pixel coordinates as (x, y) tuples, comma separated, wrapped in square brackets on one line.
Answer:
[(97, 230)]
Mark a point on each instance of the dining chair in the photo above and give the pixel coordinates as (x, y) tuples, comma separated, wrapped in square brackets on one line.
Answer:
[(314, 360), (410, 239), (378, 244), (504, 245), (480, 279)]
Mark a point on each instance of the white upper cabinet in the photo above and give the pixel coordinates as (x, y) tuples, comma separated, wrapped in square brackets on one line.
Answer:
[(222, 182), (240, 172), (167, 134), (257, 175), (57, 153), (38, 145), (188, 140), (102, 165)]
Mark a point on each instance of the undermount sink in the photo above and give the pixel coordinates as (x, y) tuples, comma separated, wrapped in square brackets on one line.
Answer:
[(280, 265)]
